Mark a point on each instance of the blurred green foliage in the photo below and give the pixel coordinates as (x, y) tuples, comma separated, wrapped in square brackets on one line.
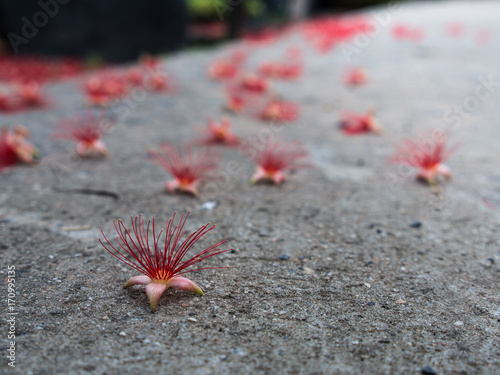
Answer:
[(213, 8)]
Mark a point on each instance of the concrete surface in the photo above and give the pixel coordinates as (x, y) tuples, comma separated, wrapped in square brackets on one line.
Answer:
[(331, 306)]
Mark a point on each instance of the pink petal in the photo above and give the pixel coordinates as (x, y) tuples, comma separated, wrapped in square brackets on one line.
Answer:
[(172, 186), (154, 292), (137, 280), (278, 177), (183, 283), (259, 175), (444, 170)]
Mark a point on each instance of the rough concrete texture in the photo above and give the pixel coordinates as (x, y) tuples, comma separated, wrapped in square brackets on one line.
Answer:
[(335, 304)]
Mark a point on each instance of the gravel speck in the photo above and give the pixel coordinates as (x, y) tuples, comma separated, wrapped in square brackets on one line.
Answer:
[(416, 224)]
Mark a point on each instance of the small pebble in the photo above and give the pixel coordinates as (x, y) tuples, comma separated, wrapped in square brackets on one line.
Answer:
[(209, 205), (192, 320), (371, 303), (122, 333), (427, 370), (416, 224), (284, 257), (491, 260), (401, 301), (185, 304), (459, 323), (105, 317)]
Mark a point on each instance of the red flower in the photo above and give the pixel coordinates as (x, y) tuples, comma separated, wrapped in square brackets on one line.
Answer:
[(455, 29), (428, 154), (291, 68), (404, 32), (30, 95), (280, 111), (163, 263), (356, 77), (14, 148), (158, 82), (235, 101), (247, 91), (227, 68), (263, 37), (10, 102), (135, 76), (353, 123), (21, 96), (187, 168), (281, 70), (87, 131), (149, 76), (254, 83), (104, 88), (220, 134), (275, 159), (326, 33)]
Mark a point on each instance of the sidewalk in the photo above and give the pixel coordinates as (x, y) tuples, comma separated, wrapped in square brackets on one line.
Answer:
[(330, 273)]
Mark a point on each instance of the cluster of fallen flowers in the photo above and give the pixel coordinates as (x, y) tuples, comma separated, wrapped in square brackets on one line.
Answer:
[(161, 261), (108, 86), (22, 80), (190, 167), (16, 97), (251, 92)]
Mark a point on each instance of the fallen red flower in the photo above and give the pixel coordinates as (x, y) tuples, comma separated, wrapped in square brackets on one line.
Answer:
[(280, 111), (219, 134), (325, 33), (356, 77), (162, 264), (275, 159), (104, 88), (426, 153), (188, 168), (87, 131), (353, 123), (227, 68), (14, 148)]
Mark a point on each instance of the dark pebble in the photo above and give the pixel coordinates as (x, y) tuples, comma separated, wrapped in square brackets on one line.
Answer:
[(416, 224), (371, 303), (192, 314), (384, 341), (379, 231), (491, 260), (427, 370), (369, 263), (232, 251), (284, 257), (360, 163)]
